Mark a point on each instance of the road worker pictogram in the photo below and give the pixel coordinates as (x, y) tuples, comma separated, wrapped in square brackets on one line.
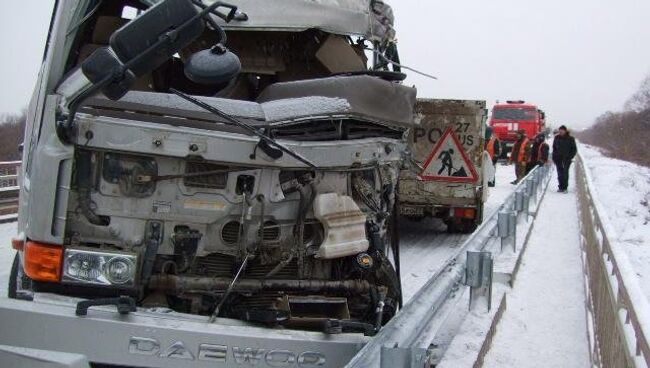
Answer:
[(449, 162)]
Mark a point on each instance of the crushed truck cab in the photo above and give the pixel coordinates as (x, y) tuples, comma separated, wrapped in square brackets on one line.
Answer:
[(210, 183)]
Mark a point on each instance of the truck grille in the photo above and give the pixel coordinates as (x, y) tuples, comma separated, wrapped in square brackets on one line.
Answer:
[(271, 231), (214, 265), (230, 233), (258, 271), (263, 300), (210, 181), (220, 265)]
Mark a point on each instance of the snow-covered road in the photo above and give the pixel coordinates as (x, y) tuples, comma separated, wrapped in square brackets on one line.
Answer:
[(545, 322)]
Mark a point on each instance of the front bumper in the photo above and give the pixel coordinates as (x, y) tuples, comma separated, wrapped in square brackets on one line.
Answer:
[(155, 338)]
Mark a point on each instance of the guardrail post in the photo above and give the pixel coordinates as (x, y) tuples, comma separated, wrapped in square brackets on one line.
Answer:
[(530, 189), (507, 229), (519, 200), (546, 173), (539, 178), (478, 276)]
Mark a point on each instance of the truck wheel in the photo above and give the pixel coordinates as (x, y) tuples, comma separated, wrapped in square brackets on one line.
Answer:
[(468, 226), (452, 227), (464, 226), (17, 275)]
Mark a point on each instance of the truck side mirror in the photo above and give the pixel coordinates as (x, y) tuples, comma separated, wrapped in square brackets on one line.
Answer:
[(176, 19), (141, 46), (152, 38)]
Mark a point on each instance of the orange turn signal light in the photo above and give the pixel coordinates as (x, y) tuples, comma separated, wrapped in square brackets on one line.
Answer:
[(17, 244), (467, 213), (43, 261)]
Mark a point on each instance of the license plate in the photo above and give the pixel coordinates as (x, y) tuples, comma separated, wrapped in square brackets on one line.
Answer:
[(411, 211)]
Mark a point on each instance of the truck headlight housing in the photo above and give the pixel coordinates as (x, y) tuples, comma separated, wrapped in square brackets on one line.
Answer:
[(99, 268)]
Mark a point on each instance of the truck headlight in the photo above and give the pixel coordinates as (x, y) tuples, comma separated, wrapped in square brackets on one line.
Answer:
[(99, 268)]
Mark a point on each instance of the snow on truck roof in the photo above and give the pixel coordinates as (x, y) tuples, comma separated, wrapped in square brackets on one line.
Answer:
[(364, 97), (345, 17)]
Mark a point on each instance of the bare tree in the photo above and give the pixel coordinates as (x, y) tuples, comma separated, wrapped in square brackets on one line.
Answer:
[(626, 134), (640, 100), (12, 128)]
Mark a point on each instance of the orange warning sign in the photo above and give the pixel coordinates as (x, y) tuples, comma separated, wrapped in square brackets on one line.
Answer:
[(449, 162)]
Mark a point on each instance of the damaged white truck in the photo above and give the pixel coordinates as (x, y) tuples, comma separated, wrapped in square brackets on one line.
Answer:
[(452, 182), (208, 185)]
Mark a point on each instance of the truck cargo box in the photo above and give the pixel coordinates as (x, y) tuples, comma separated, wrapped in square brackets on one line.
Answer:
[(449, 182)]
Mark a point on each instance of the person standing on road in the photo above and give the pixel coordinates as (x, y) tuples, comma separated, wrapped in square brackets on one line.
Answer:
[(538, 153), (564, 150), (493, 148), (519, 155)]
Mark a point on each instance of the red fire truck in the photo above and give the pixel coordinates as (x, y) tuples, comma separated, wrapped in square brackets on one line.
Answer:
[(508, 118)]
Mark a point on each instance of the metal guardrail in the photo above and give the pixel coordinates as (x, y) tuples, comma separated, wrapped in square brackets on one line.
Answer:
[(9, 173), (399, 343), (9, 189), (616, 305)]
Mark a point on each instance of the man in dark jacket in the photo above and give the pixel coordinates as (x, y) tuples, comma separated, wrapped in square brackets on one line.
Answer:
[(538, 153), (564, 150)]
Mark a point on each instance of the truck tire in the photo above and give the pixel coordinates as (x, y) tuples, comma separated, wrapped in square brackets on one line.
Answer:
[(465, 226), (15, 275), (468, 226)]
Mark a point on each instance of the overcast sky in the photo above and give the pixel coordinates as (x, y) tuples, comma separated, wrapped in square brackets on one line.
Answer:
[(576, 58)]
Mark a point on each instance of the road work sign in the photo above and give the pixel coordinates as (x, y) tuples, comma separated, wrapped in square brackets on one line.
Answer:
[(449, 162)]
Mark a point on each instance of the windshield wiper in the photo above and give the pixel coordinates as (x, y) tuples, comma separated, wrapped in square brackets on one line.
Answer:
[(263, 137)]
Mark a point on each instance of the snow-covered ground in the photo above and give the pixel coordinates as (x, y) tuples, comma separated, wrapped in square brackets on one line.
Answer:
[(624, 190), (545, 324)]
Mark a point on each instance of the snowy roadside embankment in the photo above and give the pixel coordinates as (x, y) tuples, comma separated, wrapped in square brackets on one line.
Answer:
[(623, 188)]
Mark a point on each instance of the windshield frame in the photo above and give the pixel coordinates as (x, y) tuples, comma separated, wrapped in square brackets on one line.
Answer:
[(515, 113)]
